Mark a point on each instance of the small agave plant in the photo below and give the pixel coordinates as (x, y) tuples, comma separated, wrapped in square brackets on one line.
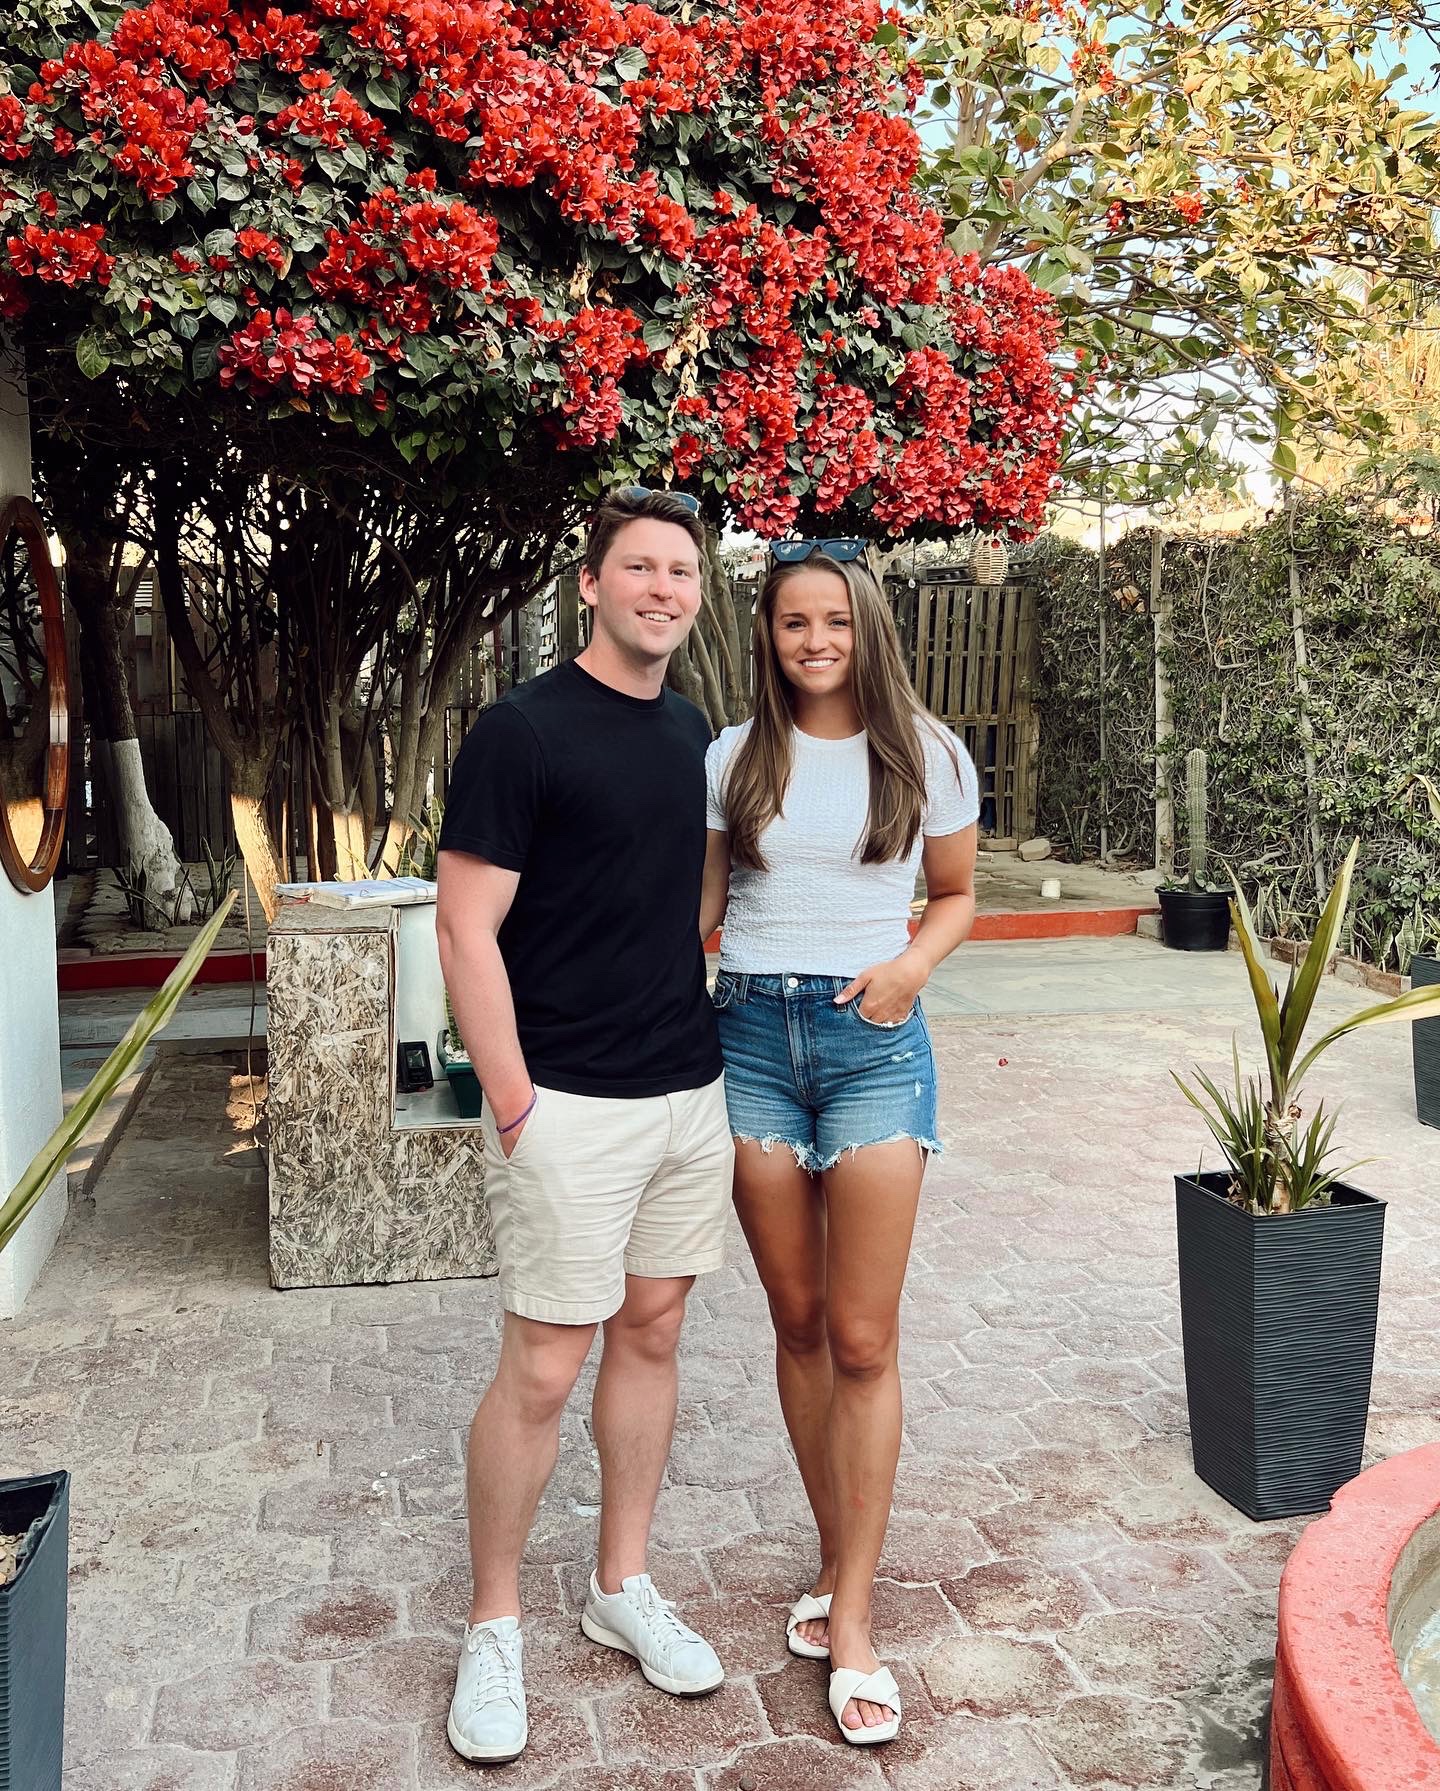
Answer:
[(1280, 1162)]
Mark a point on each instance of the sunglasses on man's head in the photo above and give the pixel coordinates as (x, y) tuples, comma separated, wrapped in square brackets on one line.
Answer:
[(840, 547), (640, 492)]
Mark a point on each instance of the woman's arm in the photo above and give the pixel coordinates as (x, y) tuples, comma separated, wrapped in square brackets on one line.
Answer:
[(949, 863), (715, 884), (888, 990)]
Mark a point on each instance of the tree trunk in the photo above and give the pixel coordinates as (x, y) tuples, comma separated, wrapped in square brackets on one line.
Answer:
[(102, 598), (680, 674), (1164, 719), (341, 794), (714, 704), (406, 764), (720, 611), (250, 756), (253, 835), (1307, 732)]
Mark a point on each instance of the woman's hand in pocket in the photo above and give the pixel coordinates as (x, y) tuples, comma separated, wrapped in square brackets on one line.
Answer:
[(886, 992)]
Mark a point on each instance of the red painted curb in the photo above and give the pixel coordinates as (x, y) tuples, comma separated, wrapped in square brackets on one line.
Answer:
[(147, 970), (1059, 923), (1343, 1719)]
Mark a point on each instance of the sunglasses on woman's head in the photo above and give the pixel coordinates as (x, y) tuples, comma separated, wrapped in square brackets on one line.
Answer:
[(640, 492), (841, 547)]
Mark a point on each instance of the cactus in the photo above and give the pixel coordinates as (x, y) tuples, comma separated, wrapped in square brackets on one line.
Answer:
[(1196, 810)]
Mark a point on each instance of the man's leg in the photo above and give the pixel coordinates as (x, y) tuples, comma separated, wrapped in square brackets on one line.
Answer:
[(634, 1418), (513, 1444)]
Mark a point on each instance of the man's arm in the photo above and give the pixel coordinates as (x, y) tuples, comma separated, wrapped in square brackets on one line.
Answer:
[(472, 900)]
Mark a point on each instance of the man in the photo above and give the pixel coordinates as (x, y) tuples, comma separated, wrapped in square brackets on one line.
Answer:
[(569, 869)]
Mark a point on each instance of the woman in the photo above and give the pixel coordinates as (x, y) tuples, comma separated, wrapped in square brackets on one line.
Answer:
[(821, 809)]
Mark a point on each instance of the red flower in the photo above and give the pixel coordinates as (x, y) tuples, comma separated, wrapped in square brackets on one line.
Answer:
[(277, 350), (68, 257), (255, 245)]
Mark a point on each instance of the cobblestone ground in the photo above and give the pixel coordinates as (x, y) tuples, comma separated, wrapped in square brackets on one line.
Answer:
[(268, 1544)]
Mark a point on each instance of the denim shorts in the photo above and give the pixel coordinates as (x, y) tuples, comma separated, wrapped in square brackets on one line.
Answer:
[(821, 1079)]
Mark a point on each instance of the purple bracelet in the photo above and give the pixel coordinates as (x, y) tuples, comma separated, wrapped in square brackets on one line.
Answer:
[(500, 1131)]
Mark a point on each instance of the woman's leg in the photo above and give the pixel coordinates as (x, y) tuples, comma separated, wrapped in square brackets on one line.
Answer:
[(783, 1216), (871, 1198)]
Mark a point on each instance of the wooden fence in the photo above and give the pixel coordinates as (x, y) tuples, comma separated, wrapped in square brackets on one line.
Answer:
[(972, 654)]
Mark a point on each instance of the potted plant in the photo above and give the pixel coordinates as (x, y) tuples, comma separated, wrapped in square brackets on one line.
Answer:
[(1417, 946), (35, 1511), (455, 1061), (1195, 917), (34, 1562), (1280, 1257)]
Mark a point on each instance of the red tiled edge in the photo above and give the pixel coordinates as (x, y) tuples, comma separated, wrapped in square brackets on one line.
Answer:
[(1058, 923), (147, 970), (1343, 1719), (82, 971)]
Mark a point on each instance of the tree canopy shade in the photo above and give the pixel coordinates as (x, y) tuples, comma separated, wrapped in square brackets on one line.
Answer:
[(557, 244), (1227, 199)]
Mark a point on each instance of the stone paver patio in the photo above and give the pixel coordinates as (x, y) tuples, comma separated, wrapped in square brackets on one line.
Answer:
[(268, 1545)]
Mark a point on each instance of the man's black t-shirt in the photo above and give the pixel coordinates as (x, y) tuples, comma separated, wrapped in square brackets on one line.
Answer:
[(598, 800)]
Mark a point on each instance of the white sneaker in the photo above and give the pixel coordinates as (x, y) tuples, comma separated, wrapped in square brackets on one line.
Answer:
[(487, 1714), (638, 1621)]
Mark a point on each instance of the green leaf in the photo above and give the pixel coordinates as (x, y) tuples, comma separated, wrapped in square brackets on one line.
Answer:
[(1416, 1004), (1301, 998), (205, 361), (90, 357), (50, 1159), (201, 193), (1267, 1001), (631, 63), (222, 307)]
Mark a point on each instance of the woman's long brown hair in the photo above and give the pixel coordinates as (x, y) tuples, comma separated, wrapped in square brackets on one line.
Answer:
[(890, 713)]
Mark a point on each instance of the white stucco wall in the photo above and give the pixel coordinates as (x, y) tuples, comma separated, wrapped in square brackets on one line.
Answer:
[(30, 1103)]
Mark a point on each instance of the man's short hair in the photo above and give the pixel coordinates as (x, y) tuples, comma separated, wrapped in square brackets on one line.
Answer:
[(621, 507)]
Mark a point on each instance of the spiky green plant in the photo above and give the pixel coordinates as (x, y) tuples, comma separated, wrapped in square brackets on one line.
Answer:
[(1293, 1170), (1196, 814), (219, 873), (52, 1155)]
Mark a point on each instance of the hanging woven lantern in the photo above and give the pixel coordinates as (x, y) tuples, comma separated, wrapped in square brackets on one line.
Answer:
[(989, 560)]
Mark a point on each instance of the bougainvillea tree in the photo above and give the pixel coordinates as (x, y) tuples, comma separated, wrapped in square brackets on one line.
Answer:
[(682, 241), (474, 261)]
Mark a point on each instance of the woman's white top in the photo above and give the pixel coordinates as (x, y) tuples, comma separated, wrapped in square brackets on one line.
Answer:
[(817, 910)]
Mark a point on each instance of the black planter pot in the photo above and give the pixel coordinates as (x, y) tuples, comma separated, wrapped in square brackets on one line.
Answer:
[(1278, 1315), (1425, 1046), (1195, 919), (32, 1634)]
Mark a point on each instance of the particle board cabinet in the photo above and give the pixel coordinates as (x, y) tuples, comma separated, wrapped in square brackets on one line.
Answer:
[(366, 1184)]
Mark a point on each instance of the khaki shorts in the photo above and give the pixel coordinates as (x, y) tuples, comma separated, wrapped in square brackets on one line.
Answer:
[(598, 1189)]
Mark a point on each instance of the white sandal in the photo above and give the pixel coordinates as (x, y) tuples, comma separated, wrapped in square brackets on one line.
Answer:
[(807, 1608), (878, 1687)]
